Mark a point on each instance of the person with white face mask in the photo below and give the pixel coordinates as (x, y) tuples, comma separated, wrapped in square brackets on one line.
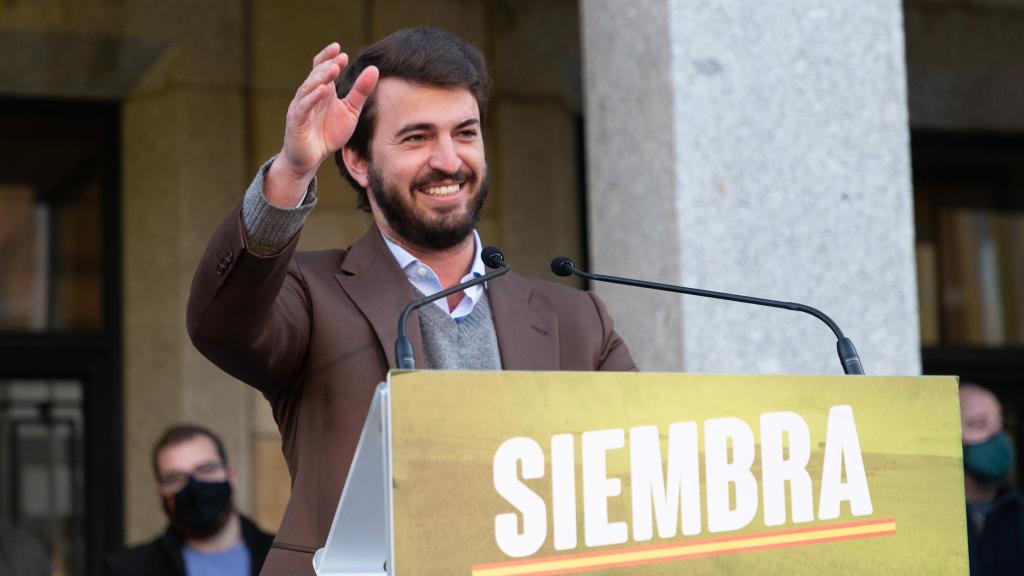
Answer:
[(995, 511)]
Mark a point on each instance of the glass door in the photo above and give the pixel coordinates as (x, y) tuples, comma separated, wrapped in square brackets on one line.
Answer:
[(42, 486)]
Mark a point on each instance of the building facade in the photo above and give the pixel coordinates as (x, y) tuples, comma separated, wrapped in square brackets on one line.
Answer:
[(764, 149)]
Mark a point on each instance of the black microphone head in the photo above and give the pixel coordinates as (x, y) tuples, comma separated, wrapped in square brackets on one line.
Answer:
[(492, 257), (562, 266)]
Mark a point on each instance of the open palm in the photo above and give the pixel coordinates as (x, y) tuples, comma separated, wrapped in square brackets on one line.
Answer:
[(318, 122)]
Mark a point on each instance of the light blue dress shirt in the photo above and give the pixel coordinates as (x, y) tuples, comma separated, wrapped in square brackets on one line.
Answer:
[(233, 562), (426, 281)]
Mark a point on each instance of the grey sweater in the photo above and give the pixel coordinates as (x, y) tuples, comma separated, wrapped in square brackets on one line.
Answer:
[(469, 343)]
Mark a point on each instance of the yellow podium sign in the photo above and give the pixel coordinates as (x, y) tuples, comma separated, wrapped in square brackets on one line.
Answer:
[(522, 473)]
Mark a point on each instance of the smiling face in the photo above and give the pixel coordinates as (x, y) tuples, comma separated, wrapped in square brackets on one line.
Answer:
[(427, 173)]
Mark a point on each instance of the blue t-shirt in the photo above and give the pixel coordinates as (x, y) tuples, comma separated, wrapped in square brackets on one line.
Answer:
[(233, 562)]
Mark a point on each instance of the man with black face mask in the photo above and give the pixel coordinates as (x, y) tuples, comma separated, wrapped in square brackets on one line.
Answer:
[(206, 536), (995, 511)]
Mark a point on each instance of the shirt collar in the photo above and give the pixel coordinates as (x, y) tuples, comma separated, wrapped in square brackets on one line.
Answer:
[(406, 260)]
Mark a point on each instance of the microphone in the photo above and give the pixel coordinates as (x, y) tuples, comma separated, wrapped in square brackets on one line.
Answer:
[(562, 266), (490, 256)]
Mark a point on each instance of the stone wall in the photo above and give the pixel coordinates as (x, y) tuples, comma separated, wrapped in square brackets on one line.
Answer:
[(964, 65)]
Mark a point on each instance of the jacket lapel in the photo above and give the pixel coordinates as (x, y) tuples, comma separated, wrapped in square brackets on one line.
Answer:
[(378, 287), (527, 334)]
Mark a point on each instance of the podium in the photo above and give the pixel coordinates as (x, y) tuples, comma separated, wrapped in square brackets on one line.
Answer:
[(535, 473)]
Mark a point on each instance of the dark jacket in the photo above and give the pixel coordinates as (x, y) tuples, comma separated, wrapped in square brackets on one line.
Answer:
[(164, 556), (998, 549)]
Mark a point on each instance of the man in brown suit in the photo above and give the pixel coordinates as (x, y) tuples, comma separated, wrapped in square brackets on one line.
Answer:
[(314, 332)]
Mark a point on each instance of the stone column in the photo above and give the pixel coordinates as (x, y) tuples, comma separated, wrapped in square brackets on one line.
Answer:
[(183, 140), (759, 148)]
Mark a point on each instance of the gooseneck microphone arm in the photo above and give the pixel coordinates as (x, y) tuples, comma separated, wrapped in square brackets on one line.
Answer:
[(563, 266), (491, 257)]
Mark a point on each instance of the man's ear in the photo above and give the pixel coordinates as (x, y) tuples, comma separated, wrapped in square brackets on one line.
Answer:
[(356, 166)]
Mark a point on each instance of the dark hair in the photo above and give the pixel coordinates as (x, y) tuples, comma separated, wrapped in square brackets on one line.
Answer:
[(180, 433), (425, 56)]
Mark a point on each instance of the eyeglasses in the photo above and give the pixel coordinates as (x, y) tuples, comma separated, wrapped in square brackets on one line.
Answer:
[(207, 472)]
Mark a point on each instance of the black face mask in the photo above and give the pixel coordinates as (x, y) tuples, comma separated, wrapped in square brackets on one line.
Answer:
[(200, 509)]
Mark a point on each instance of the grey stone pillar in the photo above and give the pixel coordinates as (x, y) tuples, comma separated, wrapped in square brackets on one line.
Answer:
[(760, 148)]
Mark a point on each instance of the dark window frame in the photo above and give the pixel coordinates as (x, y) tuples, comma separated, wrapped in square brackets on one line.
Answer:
[(95, 357), (972, 156)]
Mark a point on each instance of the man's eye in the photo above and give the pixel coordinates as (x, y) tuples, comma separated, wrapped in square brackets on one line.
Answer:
[(468, 133), (415, 138), (208, 468)]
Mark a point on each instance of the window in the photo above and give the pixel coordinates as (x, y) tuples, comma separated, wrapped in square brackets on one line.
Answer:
[(60, 352), (969, 212)]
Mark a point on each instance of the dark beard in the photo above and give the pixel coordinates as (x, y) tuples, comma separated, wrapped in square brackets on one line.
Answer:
[(441, 234)]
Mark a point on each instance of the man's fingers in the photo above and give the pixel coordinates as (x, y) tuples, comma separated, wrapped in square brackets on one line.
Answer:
[(327, 53), (326, 72), (362, 88), (309, 101)]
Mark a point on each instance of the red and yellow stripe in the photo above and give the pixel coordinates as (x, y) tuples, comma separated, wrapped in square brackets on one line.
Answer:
[(655, 554)]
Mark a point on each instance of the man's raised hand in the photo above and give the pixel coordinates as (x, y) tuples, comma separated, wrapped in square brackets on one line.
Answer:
[(318, 124)]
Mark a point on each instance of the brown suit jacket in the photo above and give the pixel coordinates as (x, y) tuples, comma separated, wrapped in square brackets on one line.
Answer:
[(315, 332)]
